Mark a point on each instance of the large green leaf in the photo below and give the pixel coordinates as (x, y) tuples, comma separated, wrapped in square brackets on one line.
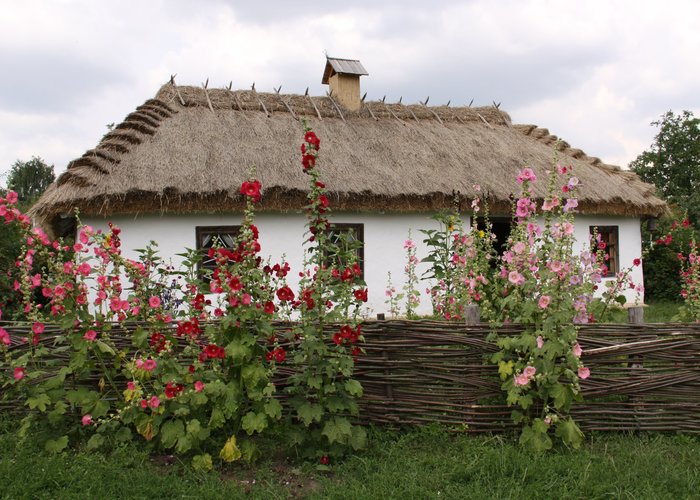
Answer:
[(337, 429), (309, 413), (170, 432), (254, 422)]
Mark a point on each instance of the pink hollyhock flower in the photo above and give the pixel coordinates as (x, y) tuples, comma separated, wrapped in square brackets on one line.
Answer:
[(154, 402), (87, 419), (11, 198), (90, 335), (131, 385), (139, 364), (567, 228), (522, 207), (19, 373), (577, 351), (529, 371), (4, 336), (555, 266), (38, 327), (246, 299), (199, 386), (526, 174), (521, 379), (149, 365), (409, 244), (519, 247), (144, 404), (584, 372), (516, 278), (544, 301), (540, 342), (573, 182), (570, 204), (154, 302)]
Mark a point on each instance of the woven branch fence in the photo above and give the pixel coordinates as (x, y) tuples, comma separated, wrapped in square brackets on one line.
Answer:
[(643, 377)]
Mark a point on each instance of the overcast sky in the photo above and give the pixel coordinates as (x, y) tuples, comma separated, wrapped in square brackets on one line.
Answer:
[(596, 73)]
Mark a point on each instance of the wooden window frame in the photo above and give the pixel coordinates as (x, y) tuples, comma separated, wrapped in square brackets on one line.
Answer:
[(359, 230), (611, 236), (200, 233)]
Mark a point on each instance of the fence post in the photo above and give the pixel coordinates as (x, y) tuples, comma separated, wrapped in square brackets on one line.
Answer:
[(635, 315), (388, 390), (472, 315)]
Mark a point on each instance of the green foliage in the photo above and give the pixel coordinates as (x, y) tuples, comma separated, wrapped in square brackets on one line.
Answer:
[(672, 163)]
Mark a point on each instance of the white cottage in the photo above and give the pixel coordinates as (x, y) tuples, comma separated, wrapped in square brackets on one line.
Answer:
[(171, 172)]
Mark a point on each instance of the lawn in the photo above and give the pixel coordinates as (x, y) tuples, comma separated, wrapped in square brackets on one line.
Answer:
[(424, 463)]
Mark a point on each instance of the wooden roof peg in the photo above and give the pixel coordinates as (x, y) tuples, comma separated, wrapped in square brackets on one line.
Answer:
[(363, 97), (471, 102), (307, 91)]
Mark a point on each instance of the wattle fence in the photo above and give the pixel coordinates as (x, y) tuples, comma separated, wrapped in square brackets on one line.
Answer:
[(643, 377)]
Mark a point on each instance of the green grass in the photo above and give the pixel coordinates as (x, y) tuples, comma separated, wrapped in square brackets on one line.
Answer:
[(426, 463), (654, 312)]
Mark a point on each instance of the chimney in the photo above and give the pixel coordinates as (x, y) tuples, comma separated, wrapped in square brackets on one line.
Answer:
[(343, 77)]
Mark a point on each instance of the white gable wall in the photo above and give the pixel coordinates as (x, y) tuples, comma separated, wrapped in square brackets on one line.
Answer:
[(384, 239)]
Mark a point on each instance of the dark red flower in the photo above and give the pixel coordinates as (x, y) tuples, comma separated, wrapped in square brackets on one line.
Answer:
[(172, 389), (280, 354), (312, 139), (637, 262), (347, 275), (361, 295), (345, 331), (269, 307), (308, 161), (324, 460), (338, 338), (686, 223), (252, 189), (285, 294), (157, 341)]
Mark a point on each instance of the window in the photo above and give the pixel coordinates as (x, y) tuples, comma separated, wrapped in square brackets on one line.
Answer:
[(351, 236), (609, 236), (213, 237), (500, 227)]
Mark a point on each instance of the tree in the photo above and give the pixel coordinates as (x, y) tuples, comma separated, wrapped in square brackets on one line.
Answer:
[(672, 163), (30, 179)]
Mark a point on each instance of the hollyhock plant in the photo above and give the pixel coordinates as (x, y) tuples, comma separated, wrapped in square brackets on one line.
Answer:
[(548, 288), (331, 289)]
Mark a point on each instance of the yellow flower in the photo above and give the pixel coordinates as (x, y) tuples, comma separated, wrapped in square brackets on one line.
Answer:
[(481, 234)]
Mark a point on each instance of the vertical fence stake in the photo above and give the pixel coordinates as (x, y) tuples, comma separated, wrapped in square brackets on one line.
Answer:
[(388, 390), (635, 316), (472, 315)]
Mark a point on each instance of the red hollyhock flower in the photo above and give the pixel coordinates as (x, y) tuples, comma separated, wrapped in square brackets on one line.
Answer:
[(312, 139), (172, 389), (252, 189), (285, 294), (157, 341), (308, 162), (269, 307), (269, 356), (686, 223), (347, 275), (338, 338), (280, 354), (345, 331), (637, 262), (361, 295), (324, 460)]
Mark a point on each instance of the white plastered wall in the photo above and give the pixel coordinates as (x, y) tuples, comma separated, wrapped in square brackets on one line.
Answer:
[(384, 243)]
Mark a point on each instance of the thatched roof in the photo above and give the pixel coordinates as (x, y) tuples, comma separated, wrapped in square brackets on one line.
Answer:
[(188, 149)]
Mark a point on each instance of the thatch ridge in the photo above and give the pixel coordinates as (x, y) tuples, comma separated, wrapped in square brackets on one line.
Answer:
[(188, 149)]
